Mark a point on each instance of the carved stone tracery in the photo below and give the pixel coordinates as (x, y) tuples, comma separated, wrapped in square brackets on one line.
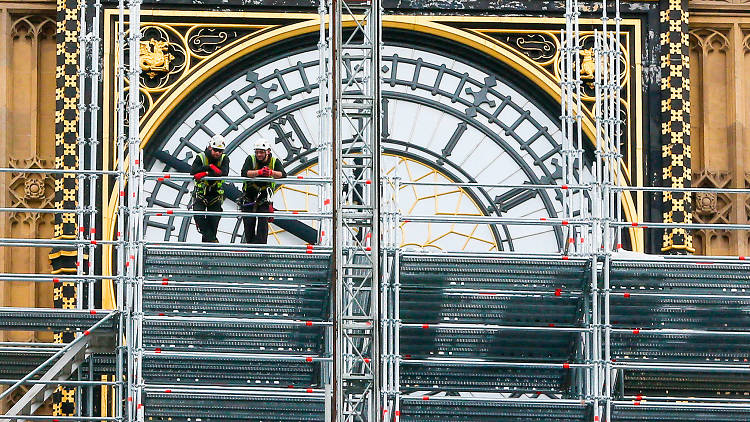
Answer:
[(30, 190)]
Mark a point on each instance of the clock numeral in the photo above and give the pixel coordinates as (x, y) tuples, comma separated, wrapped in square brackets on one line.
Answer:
[(287, 140), (303, 75), (417, 70), (438, 80), (448, 149), (499, 109), (279, 77), (385, 131), (480, 97), (526, 144), (394, 69), (513, 198), (517, 196), (261, 92), (230, 123), (457, 94), (298, 131), (512, 128)]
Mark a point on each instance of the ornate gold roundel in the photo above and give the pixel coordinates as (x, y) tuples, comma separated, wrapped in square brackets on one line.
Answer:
[(446, 120)]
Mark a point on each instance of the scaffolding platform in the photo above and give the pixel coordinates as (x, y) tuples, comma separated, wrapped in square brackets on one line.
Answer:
[(222, 320), (473, 323), (677, 413), (227, 406), (41, 319), (427, 409), (681, 326)]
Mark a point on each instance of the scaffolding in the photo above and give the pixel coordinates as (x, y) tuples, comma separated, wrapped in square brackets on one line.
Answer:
[(356, 328)]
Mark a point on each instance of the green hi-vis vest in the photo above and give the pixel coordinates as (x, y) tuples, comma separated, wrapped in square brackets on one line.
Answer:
[(259, 186), (202, 186)]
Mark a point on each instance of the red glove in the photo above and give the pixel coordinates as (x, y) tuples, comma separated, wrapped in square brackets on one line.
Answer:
[(265, 172), (201, 175), (215, 169)]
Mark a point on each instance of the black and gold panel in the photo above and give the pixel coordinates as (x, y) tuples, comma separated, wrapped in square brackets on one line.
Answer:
[(675, 129), (66, 185)]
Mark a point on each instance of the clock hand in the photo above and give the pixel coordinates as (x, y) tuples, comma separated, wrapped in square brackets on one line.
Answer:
[(297, 228)]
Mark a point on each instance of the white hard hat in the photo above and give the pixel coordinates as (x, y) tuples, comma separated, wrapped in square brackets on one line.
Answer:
[(218, 142), (262, 143)]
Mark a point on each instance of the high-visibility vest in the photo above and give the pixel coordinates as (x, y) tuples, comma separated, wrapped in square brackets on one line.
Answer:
[(256, 185), (202, 186)]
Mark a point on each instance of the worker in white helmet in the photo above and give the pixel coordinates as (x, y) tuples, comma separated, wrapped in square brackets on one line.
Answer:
[(257, 195), (209, 195)]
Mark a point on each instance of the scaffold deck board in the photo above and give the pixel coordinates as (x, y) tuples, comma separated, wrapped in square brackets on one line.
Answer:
[(441, 377), (231, 301), (647, 412), (488, 410), (247, 372), (43, 319), (686, 384), (219, 406)]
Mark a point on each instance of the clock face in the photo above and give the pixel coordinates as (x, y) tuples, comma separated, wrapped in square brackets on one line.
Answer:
[(446, 120)]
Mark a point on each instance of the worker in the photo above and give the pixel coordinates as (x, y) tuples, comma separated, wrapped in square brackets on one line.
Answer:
[(257, 195), (209, 195)]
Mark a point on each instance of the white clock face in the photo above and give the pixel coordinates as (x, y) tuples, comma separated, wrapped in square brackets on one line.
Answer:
[(446, 120)]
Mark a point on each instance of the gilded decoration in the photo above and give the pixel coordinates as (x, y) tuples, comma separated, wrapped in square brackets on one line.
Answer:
[(163, 58), (154, 57), (169, 52)]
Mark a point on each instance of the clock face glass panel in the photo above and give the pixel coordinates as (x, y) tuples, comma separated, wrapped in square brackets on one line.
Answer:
[(446, 120)]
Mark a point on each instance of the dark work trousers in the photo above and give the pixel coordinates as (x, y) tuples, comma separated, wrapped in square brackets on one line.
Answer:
[(207, 224), (256, 228)]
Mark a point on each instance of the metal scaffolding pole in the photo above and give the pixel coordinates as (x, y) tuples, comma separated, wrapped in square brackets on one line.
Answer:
[(356, 284)]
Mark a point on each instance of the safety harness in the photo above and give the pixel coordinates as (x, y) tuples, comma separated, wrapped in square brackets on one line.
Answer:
[(204, 188), (259, 186)]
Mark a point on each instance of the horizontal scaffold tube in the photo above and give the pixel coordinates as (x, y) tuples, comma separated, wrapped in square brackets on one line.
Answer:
[(474, 362), (544, 402), (299, 180), (682, 367), (494, 185), (682, 404), (54, 278), (61, 382), (663, 189), (230, 356), (49, 210), (235, 390), (495, 327), (56, 242), (279, 215), (687, 226), (56, 418), (486, 219), (269, 321), (60, 171)]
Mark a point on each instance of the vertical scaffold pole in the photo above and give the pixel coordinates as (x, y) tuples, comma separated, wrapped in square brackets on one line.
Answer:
[(324, 129), (132, 222), (356, 104)]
